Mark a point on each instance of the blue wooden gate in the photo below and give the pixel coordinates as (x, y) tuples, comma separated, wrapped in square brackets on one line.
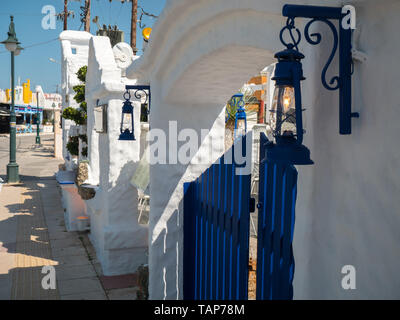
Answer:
[(276, 215), (216, 233), (217, 209)]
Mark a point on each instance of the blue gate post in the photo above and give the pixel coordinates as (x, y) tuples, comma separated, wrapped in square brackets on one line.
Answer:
[(277, 201)]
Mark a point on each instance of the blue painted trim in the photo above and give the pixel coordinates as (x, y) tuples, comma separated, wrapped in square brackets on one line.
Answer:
[(141, 89)]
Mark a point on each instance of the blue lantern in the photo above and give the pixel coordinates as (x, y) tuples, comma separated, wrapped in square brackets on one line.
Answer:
[(127, 124), (286, 112), (240, 117)]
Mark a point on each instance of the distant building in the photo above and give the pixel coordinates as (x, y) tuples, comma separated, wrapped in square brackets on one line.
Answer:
[(26, 104)]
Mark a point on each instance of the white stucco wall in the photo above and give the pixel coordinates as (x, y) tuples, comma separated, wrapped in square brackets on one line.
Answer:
[(120, 242), (74, 55), (348, 212), (200, 53)]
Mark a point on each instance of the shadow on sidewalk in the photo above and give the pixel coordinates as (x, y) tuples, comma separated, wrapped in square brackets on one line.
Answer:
[(32, 249)]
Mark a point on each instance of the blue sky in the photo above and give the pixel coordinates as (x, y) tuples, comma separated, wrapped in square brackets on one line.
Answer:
[(33, 63)]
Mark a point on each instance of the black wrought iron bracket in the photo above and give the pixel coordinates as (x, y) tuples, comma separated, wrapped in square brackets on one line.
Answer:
[(341, 40), (141, 91)]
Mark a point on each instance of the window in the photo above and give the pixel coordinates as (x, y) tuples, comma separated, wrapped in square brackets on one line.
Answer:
[(73, 50), (144, 117)]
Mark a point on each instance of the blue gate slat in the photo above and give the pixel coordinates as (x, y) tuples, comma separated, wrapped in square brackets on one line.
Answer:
[(190, 240), (214, 242), (291, 182), (235, 236), (197, 237), (228, 233), (206, 236), (262, 189), (264, 282), (244, 233), (276, 246), (203, 236), (200, 238), (269, 236), (221, 230), (208, 233)]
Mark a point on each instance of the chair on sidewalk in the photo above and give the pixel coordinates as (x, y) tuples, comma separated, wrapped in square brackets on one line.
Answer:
[(141, 180)]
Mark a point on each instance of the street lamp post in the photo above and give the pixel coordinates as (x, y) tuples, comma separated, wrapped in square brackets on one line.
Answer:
[(12, 45), (37, 119), (54, 113)]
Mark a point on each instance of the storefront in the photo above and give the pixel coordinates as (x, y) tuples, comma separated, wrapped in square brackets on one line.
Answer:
[(26, 118)]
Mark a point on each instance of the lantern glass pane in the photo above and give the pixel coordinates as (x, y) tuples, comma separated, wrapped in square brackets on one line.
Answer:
[(126, 122), (283, 112), (11, 46), (241, 127)]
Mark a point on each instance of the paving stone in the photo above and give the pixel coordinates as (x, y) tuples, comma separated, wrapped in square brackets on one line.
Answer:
[(74, 286), (5, 289), (74, 260), (67, 272), (59, 235), (68, 251), (94, 295), (123, 294), (65, 242)]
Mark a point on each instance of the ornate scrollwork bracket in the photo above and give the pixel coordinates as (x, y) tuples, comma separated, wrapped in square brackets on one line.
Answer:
[(341, 41), (140, 91)]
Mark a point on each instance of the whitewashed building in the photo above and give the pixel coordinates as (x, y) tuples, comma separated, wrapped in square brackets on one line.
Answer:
[(200, 53)]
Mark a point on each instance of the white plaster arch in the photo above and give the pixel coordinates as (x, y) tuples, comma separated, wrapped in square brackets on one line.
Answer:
[(198, 45)]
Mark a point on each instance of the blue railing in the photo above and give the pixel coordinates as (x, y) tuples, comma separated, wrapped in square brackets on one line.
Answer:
[(216, 233)]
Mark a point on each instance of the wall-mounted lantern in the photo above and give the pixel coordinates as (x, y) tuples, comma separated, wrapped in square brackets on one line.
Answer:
[(286, 112), (240, 117), (100, 118), (127, 120)]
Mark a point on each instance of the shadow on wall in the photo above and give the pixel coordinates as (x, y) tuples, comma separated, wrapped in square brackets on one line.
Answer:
[(166, 213), (121, 243)]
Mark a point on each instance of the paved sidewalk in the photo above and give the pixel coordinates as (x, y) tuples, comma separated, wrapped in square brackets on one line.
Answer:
[(33, 235)]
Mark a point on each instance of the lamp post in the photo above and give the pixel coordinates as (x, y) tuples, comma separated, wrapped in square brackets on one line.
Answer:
[(37, 118), (12, 45), (54, 113)]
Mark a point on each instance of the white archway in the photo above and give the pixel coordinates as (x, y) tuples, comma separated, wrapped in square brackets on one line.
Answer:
[(200, 53)]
